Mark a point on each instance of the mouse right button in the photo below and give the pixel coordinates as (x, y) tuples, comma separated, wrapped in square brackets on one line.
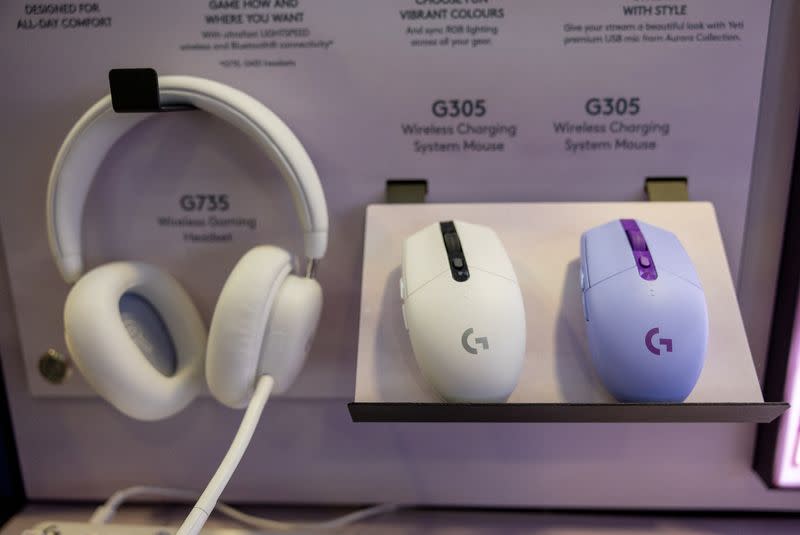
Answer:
[(668, 253)]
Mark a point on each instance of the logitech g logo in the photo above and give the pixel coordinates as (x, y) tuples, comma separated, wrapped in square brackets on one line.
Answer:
[(648, 341), (483, 340)]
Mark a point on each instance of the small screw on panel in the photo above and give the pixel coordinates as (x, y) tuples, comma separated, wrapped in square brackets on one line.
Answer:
[(54, 367)]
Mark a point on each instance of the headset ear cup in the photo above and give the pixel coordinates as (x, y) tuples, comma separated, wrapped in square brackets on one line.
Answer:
[(290, 330), (101, 344), (239, 323)]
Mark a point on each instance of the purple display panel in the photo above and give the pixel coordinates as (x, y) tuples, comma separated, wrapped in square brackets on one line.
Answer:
[(641, 253)]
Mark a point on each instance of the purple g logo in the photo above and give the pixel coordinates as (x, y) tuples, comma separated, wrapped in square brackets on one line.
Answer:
[(648, 341)]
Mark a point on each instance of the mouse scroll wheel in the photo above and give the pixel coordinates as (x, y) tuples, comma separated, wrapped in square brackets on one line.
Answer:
[(637, 240), (451, 241)]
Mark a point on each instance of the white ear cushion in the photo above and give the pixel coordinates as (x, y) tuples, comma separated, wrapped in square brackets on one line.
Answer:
[(292, 323), (240, 321), (108, 357)]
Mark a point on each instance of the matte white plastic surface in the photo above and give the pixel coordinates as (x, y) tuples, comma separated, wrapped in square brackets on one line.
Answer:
[(290, 330), (468, 336), (239, 324), (88, 142), (543, 242)]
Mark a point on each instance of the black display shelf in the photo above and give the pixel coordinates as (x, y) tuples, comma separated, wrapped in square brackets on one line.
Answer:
[(566, 412)]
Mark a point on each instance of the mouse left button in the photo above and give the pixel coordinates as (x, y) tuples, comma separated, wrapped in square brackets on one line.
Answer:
[(606, 252)]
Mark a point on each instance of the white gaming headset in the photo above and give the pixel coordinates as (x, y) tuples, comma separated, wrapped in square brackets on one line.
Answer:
[(265, 317)]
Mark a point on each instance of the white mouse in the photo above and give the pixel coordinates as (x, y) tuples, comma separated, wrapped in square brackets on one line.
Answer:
[(463, 310)]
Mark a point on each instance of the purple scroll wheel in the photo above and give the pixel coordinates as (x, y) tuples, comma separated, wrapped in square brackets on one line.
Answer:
[(637, 240)]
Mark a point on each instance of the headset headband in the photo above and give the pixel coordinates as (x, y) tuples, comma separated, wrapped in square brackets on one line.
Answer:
[(95, 133)]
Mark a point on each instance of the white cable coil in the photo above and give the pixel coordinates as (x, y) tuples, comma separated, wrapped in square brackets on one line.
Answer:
[(105, 513), (208, 500)]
